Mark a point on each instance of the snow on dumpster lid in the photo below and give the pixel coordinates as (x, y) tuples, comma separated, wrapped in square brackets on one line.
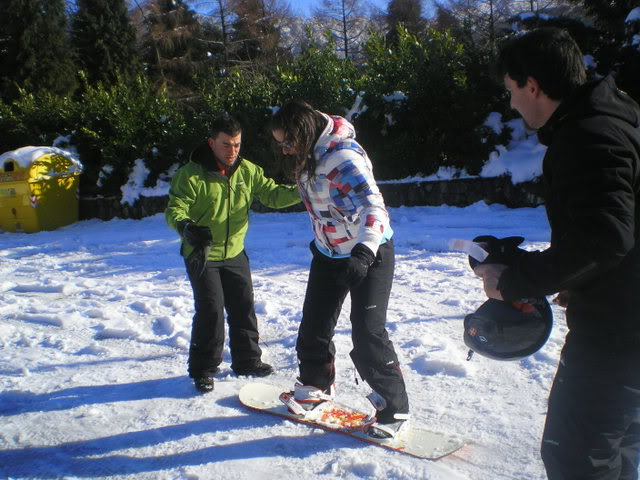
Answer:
[(25, 156)]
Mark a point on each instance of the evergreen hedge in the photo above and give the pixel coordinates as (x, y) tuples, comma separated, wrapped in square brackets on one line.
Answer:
[(421, 103)]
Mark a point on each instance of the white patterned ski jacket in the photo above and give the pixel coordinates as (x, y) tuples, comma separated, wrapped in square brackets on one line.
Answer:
[(343, 200)]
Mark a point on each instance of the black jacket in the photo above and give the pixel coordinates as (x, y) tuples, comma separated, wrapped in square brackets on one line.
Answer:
[(591, 174)]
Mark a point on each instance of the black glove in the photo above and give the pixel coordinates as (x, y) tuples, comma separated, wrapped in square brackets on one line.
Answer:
[(357, 266), (195, 235), (197, 261), (500, 250)]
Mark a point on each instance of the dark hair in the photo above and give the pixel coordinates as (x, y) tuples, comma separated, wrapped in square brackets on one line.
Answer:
[(225, 123), (550, 55), (302, 126)]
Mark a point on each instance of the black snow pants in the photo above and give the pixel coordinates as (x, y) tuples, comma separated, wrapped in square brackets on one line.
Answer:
[(592, 430), (225, 284), (373, 354)]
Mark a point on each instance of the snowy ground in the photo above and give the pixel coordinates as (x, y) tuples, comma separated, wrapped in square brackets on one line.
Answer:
[(94, 328)]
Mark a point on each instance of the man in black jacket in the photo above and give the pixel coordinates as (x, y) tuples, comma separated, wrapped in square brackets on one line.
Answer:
[(591, 175)]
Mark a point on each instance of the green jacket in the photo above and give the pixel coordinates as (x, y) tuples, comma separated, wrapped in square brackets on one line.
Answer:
[(201, 193)]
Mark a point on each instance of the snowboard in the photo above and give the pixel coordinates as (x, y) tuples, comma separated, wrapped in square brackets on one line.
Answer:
[(332, 416)]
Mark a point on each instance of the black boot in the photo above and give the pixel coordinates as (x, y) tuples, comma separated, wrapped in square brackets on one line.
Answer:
[(256, 368), (203, 384)]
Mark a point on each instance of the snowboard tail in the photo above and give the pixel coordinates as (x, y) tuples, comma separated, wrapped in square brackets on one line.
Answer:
[(332, 416)]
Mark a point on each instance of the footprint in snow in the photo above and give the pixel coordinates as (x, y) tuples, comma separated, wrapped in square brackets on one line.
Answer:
[(425, 366), (163, 326)]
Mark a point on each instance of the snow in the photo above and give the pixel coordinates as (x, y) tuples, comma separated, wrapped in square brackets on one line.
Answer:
[(25, 156), (528, 15), (397, 96), (521, 158), (494, 122), (94, 339), (95, 332), (590, 62), (134, 188), (634, 17)]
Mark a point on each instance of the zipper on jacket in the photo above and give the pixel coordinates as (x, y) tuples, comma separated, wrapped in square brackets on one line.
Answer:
[(230, 173), (226, 241)]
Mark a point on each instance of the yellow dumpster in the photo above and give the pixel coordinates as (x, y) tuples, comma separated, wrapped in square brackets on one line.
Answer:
[(38, 189)]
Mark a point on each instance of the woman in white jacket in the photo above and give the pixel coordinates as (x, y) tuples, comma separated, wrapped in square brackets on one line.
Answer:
[(352, 253)]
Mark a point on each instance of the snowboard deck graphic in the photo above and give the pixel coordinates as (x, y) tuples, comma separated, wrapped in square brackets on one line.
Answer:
[(412, 440)]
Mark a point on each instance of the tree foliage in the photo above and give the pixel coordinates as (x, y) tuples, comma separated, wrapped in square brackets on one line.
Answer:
[(248, 96), (419, 94), (616, 51), (422, 111), (218, 16), (110, 126), (628, 61), (319, 77), (404, 14), (172, 50), (34, 48), (609, 15), (122, 123), (346, 23), (35, 119), (256, 30), (104, 41)]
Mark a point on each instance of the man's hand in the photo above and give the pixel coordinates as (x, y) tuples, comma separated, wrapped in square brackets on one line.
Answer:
[(357, 266), (195, 235), (490, 273), (562, 298)]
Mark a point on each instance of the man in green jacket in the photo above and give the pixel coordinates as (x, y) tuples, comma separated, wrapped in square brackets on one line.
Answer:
[(209, 203)]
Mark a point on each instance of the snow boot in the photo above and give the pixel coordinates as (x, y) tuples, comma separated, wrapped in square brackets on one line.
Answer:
[(256, 368), (388, 430), (386, 425), (203, 384)]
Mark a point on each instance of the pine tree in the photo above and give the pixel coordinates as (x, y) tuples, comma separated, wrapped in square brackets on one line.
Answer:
[(173, 50), (619, 51), (407, 13), (34, 48), (256, 29), (105, 40), (609, 14), (217, 19)]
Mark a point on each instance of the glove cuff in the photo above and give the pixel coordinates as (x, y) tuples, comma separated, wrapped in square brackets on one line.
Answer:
[(363, 253), (182, 225)]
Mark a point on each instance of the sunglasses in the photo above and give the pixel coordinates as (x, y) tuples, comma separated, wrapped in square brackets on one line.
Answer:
[(283, 144)]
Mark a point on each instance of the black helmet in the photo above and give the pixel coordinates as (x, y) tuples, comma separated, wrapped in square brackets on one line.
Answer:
[(508, 330), (504, 330)]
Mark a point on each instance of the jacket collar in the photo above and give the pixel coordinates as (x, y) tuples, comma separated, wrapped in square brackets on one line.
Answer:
[(599, 97)]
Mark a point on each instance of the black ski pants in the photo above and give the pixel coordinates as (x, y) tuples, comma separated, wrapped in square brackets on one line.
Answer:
[(225, 284), (373, 354), (592, 430)]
